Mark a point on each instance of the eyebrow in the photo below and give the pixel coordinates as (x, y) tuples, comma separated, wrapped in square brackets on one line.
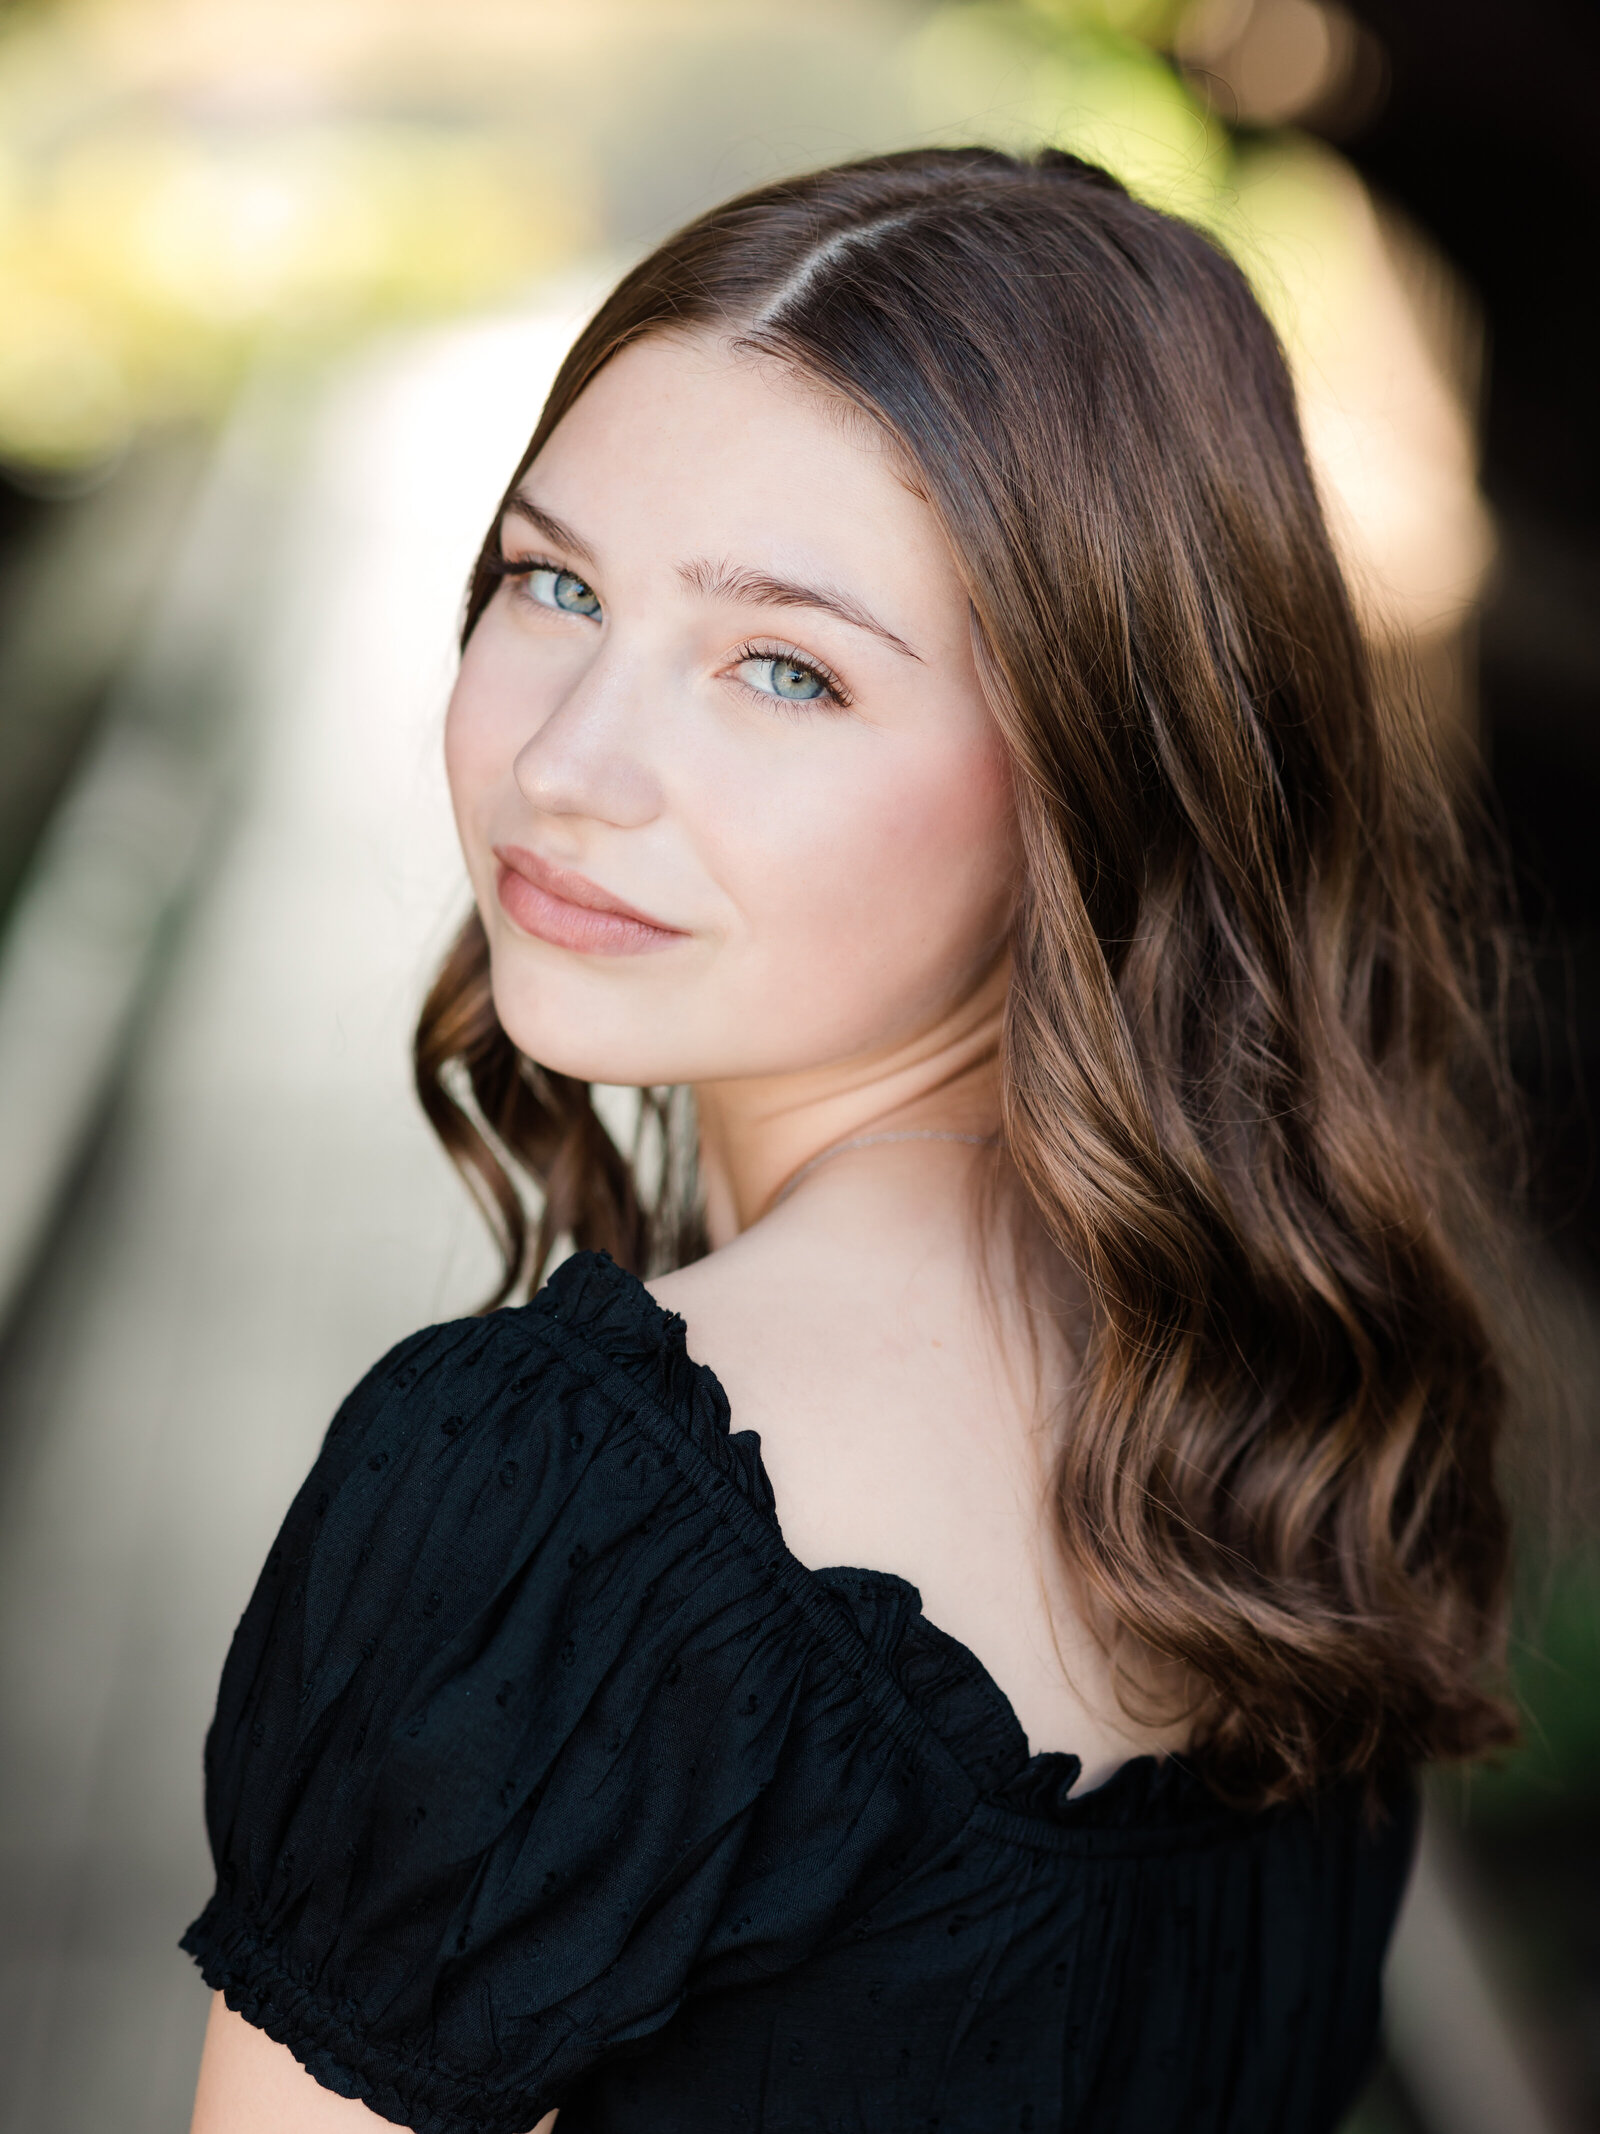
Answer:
[(724, 581), (555, 530), (721, 581)]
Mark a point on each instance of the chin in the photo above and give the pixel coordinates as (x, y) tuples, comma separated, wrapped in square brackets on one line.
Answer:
[(586, 1047), (583, 1059)]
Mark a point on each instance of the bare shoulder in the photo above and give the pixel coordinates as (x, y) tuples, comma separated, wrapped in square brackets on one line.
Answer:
[(778, 1326), (842, 1362), (843, 1358), (897, 1438)]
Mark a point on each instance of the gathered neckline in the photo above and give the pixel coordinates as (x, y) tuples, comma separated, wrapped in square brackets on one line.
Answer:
[(939, 1677)]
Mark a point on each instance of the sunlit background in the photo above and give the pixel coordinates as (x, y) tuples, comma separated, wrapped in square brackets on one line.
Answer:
[(281, 286)]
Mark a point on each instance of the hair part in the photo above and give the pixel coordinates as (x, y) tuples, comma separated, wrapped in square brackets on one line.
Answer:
[(1251, 1084)]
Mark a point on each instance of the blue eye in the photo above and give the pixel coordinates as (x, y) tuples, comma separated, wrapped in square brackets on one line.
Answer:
[(786, 679), (562, 590)]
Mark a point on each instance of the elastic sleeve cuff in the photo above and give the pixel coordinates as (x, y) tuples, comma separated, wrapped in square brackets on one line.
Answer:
[(236, 1961)]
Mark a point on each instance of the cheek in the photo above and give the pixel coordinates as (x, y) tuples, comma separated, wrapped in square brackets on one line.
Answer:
[(479, 683), (489, 718), (940, 847), (898, 905), (468, 743), (461, 766)]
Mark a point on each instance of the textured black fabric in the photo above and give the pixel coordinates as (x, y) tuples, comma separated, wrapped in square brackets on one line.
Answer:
[(542, 1774)]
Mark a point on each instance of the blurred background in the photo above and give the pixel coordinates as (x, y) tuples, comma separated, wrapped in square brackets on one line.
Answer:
[(282, 283)]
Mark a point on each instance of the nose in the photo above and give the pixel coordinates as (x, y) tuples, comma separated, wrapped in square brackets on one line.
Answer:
[(584, 758)]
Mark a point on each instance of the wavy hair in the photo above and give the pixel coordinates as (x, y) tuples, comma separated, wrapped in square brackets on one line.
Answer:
[(1250, 1080)]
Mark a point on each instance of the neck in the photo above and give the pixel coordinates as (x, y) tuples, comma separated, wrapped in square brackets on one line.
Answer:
[(755, 1134)]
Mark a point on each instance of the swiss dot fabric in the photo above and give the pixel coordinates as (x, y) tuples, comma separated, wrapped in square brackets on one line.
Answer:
[(542, 1774)]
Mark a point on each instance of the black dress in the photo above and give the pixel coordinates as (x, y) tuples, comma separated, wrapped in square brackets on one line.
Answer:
[(542, 1774)]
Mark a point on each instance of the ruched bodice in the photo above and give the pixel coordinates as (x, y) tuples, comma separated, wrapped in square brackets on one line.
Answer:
[(543, 1774)]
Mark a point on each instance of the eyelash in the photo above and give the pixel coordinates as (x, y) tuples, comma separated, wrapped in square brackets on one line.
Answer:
[(836, 692), (504, 566)]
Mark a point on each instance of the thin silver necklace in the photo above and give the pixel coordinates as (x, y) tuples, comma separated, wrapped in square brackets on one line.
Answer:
[(870, 1141)]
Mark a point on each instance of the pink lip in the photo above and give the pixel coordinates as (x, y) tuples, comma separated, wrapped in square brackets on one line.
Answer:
[(570, 911)]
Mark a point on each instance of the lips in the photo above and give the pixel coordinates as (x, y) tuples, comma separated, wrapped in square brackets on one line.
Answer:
[(568, 910)]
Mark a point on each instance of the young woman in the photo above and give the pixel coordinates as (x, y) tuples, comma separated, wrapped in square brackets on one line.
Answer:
[(908, 701)]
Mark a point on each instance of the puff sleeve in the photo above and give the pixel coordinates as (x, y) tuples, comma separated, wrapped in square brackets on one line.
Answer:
[(503, 1740)]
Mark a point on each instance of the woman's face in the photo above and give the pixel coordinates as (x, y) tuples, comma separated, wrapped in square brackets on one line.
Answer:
[(729, 794)]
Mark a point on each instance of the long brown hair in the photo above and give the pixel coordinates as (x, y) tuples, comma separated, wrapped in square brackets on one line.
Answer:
[(1247, 1068)]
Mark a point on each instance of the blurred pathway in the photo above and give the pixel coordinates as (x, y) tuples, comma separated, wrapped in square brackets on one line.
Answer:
[(263, 1215)]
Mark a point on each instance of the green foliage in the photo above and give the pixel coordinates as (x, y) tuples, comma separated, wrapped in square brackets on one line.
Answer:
[(151, 245), (1150, 21), (1073, 73), (1556, 1671)]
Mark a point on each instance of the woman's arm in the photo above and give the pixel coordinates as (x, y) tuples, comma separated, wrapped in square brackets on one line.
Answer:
[(249, 2085)]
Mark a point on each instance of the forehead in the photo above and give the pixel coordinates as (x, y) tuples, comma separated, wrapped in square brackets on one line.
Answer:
[(689, 439), (677, 384)]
